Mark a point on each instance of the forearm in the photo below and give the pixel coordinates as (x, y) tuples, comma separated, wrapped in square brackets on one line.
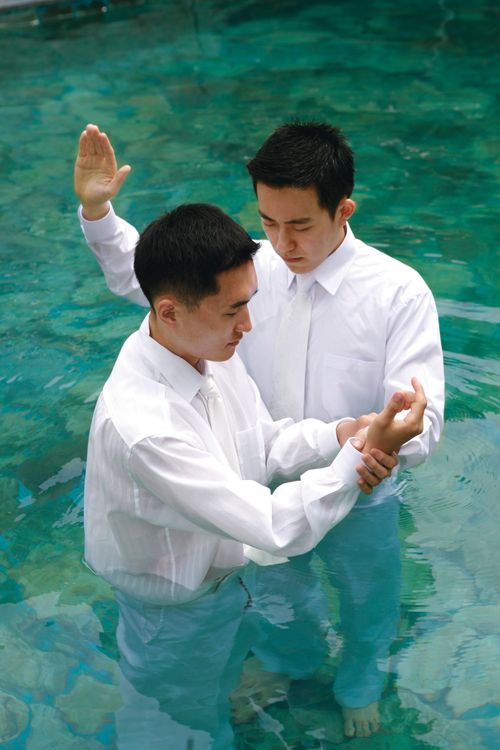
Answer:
[(289, 447), (112, 241), (294, 447), (414, 350), (199, 493)]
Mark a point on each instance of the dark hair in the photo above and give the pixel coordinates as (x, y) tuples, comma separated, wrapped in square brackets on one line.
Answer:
[(184, 250), (306, 154)]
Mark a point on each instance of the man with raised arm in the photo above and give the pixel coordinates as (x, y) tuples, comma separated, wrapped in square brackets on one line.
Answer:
[(368, 323)]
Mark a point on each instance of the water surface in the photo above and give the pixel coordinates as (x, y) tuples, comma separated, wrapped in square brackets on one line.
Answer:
[(188, 91)]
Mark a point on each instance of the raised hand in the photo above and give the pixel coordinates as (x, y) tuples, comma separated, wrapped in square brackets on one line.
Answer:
[(97, 178), (389, 434), (382, 439)]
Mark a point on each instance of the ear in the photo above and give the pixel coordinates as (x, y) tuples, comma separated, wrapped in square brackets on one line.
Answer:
[(166, 309), (347, 207)]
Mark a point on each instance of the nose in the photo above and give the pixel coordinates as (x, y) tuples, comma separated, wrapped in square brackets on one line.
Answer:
[(244, 324), (284, 241)]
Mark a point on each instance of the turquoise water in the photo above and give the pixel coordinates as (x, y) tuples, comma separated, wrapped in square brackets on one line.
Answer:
[(187, 91)]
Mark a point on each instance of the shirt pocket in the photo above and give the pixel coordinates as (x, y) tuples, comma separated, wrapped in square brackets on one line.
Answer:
[(351, 386), (251, 453)]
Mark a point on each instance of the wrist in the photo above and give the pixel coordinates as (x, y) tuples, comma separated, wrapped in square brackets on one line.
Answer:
[(94, 212), (345, 429)]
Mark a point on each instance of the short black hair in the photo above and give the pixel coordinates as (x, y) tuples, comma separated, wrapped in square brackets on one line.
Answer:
[(183, 251), (305, 154)]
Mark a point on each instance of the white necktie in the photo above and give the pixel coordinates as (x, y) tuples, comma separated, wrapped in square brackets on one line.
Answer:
[(218, 421), (229, 554), (289, 370), (220, 427)]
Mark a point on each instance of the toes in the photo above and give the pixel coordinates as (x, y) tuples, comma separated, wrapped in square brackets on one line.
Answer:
[(361, 722), (374, 726), (362, 729), (349, 729)]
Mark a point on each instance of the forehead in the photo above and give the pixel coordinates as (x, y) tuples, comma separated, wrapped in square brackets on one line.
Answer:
[(287, 203), (236, 286)]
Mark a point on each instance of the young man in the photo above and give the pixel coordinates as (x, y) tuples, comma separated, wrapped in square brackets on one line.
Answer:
[(181, 452), (370, 324)]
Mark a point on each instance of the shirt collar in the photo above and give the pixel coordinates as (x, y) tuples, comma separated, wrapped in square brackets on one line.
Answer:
[(178, 373), (333, 269)]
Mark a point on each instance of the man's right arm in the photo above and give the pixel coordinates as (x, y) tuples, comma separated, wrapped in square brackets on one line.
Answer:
[(97, 180), (290, 520), (201, 493), (112, 241)]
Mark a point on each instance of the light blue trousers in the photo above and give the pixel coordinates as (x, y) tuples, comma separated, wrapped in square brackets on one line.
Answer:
[(361, 558), (179, 665)]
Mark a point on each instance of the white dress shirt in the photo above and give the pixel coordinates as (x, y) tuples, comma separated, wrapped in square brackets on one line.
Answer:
[(165, 514), (374, 325)]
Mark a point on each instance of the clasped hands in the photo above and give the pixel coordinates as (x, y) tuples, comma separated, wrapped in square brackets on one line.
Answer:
[(379, 437)]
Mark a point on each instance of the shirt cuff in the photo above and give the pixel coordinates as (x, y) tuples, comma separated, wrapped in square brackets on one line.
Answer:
[(98, 230), (345, 464), (329, 445)]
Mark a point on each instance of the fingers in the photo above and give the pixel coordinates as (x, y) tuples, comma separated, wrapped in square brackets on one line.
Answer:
[(92, 133), (389, 460), (367, 480), (97, 143), (83, 144), (88, 141), (418, 388), (364, 487), (374, 467), (418, 396), (106, 149), (414, 420), (377, 466), (120, 177), (372, 473), (395, 404), (408, 399), (415, 402)]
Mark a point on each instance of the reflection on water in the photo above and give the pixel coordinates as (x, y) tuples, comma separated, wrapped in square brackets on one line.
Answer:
[(188, 91)]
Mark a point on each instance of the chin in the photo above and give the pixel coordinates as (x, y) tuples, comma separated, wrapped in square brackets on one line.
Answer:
[(298, 266), (224, 356)]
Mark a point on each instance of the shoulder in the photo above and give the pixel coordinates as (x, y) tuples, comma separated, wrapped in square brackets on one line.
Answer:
[(267, 261), (272, 278), (138, 403), (385, 271)]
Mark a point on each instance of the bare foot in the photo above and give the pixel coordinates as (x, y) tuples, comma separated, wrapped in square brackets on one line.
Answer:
[(257, 690), (361, 722)]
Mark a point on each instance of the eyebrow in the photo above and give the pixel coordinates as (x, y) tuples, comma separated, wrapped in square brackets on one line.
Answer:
[(242, 302), (303, 220)]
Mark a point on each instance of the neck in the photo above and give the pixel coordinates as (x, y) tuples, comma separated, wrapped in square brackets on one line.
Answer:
[(157, 332), (341, 237)]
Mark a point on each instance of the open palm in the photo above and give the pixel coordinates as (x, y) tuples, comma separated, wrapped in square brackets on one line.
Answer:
[(97, 178)]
